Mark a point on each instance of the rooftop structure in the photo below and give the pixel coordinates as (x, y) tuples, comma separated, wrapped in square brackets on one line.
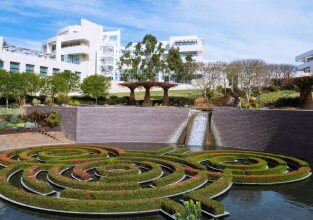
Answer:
[(307, 59)]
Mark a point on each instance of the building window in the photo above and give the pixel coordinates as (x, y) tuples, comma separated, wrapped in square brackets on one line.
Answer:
[(78, 74), (185, 43), (307, 70), (1, 64), (43, 71), (14, 67), (55, 71), (30, 68), (71, 58)]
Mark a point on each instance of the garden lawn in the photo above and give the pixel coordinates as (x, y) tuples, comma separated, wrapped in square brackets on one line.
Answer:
[(272, 97), (159, 94)]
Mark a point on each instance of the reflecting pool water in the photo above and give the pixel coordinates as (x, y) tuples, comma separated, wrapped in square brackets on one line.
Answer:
[(287, 201)]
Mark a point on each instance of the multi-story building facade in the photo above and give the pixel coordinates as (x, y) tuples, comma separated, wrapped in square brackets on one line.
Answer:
[(85, 49), (307, 59)]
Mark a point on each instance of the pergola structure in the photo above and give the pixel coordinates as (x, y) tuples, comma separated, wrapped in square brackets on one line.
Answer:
[(305, 84), (148, 85)]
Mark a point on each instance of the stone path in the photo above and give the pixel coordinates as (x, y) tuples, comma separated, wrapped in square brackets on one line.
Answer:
[(11, 141)]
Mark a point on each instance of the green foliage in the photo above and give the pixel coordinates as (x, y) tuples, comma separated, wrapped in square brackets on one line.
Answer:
[(62, 98), (95, 86), (53, 85), (31, 83), (35, 116), (175, 65), (147, 61), (54, 119), (48, 101), (36, 101), (287, 102), (72, 81), (74, 103)]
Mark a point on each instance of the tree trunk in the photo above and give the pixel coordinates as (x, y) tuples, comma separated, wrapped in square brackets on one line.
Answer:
[(166, 100), (147, 101), (96, 100), (306, 101), (7, 102), (132, 100), (232, 83)]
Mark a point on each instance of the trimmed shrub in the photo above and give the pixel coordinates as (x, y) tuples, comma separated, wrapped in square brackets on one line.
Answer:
[(54, 119)]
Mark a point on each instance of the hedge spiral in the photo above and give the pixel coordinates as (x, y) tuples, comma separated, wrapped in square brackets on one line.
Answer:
[(87, 179)]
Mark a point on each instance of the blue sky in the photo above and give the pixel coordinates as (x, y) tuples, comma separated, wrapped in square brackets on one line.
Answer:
[(273, 30)]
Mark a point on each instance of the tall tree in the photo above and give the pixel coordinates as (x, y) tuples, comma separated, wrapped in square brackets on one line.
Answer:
[(189, 68), (175, 65), (128, 65), (95, 86)]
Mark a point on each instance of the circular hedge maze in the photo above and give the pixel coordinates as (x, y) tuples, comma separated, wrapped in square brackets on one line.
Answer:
[(98, 180)]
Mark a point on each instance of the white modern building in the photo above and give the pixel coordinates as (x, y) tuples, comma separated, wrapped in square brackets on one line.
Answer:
[(84, 49), (307, 59), (192, 45)]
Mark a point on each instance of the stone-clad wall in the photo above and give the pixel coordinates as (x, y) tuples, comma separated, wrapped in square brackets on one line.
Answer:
[(120, 124), (128, 124), (68, 115), (278, 131)]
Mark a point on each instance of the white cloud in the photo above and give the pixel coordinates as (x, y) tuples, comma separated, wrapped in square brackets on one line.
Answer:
[(273, 30)]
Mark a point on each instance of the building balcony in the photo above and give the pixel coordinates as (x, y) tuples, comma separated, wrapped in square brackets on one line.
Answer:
[(302, 57), (78, 49), (306, 65)]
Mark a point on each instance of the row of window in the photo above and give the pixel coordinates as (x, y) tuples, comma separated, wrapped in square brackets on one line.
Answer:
[(185, 43), (15, 67)]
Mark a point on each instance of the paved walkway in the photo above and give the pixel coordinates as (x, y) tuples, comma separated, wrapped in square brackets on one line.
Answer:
[(10, 141)]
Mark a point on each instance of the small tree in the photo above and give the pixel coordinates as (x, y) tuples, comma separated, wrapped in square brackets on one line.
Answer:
[(95, 86), (31, 83), (72, 81), (53, 85), (7, 89), (207, 76), (252, 74)]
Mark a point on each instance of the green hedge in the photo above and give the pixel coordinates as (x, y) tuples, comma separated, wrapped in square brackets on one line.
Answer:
[(137, 194), (83, 185), (31, 181)]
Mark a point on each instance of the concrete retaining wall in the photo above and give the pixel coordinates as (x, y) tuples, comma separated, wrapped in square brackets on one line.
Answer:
[(277, 131)]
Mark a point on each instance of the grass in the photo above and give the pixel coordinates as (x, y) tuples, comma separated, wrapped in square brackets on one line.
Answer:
[(272, 97), (159, 94)]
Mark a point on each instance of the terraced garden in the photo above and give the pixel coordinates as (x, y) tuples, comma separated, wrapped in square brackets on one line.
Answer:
[(98, 180)]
